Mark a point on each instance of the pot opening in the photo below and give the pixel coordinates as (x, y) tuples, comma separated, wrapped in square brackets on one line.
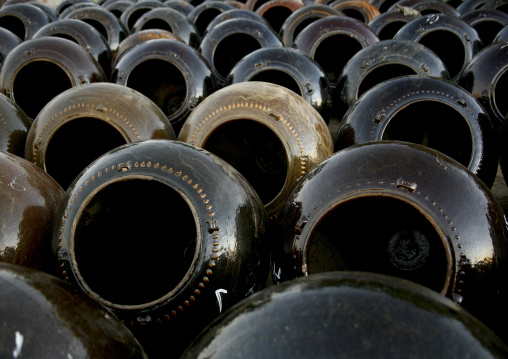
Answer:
[(166, 85), (76, 144), (101, 28), (253, 150), (435, 125), (380, 234), (278, 77), (383, 73), (135, 16), (500, 94), (232, 49), (352, 12), (158, 24), (14, 25), (390, 29), (385, 5), (487, 30), (333, 65), (448, 47), (303, 25), (37, 83), (204, 18), (276, 15), (135, 241)]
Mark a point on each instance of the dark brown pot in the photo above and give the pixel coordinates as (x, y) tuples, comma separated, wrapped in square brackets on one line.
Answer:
[(452, 39), (84, 122), (202, 226), (346, 315), (15, 125), (399, 209), (428, 111), (29, 198), (37, 70), (43, 317), (180, 77), (267, 132), (23, 19)]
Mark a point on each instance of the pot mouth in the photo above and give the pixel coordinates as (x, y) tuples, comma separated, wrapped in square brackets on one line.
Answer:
[(381, 232), (135, 242)]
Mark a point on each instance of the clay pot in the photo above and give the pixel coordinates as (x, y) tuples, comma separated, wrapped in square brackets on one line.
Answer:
[(15, 125), (84, 35), (429, 111), (180, 76), (290, 68), (23, 20), (451, 38), (44, 317), (29, 198), (346, 315), (277, 11), (37, 70), (171, 20), (267, 132), (430, 220), (103, 114), (300, 18), (485, 77), (208, 234), (229, 42)]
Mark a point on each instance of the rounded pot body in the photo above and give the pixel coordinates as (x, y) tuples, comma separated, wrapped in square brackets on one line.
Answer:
[(24, 20), (103, 114), (183, 76), (29, 198), (232, 40), (267, 132), (171, 20), (45, 317), (346, 315), (15, 125), (290, 68), (215, 239), (452, 39), (85, 35), (486, 78), (430, 220), (429, 111), (39, 69)]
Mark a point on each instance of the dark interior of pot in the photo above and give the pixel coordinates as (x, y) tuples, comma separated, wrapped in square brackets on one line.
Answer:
[(276, 15), (14, 25), (383, 73), (158, 24), (332, 65), (37, 83), (232, 49), (303, 25), (135, 241), (500, 94), (204, 18), (380, 235), (101, 28), (167, 87), (253, 150), (278, 77), (390, 29), (135, 16), (487, 30), (448, 47), (76, 144), (435, 125)]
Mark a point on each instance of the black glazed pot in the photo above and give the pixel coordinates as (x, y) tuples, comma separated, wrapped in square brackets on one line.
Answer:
[(15, 125), (382, 61), (180, 78), (425, 110), (486, 78), (37, 70), (203, 247), (290, 68), (24, 20), (28, 201), (346, 315), (404, 210), (452, 39), (43, 317)]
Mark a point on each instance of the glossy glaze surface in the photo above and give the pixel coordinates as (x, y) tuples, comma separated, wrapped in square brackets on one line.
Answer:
[(44, 317), (290, 68), (31, 17), (136, 10), (28, 200), (424, 217), (14, 125), (388, 23), (8, 41), (425, 110), (346, 315), (361, 10), (204, 239), (267, 132)]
